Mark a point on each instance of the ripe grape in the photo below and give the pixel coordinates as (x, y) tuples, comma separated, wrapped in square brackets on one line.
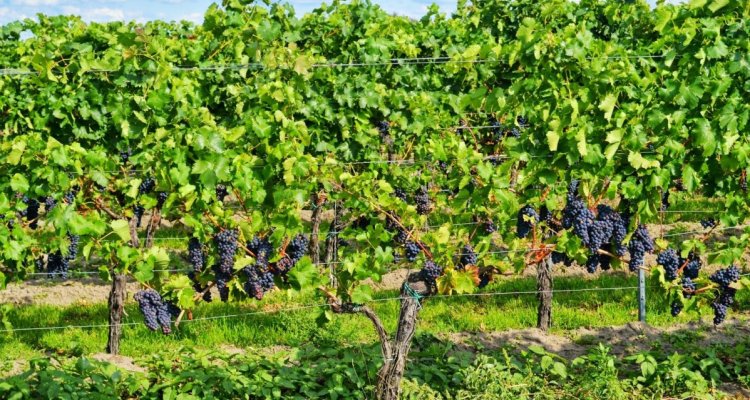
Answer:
[(693, 266), (670, 261), (484, 279), (258, 282), (125, 155), (676, 308), (226, 244), (688, 287), (161, 197), (527, 218), (522, 121), (545, 215), (298, 247), (720, 312), (430, 272), (726, 296), (262, 249), (196, 256), (49, 203), (496, 128), (577, 216), (221, 192), (399, 194), (73, 246), (411, 251), (489, 227), (284, 265), (592, 263), (514, 132), (146, 186), (468, 257), (222, 278), (31, 212), (709, 223), (559, 257), (384, 128), (605, 262), (422, 199), (138, 211), (156, 312), (619, 225), (724, 277), (664, 201), (640, 244), (57, 265)]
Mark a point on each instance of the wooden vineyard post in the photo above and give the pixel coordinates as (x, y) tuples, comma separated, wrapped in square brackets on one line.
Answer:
[(116, 306), (544, 293)]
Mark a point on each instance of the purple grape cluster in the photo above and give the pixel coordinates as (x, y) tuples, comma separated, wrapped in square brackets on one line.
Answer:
[(401, 235), (156, 312), (161, 197), (226, 245), (430, 272), (676, 307), (619, 223), (693, 266), (221, 192), (489, 227), (725, 298), (57, 265), (257, 282), (576, 215), (222, 279), (725, 277), (138, 211), (70, 196), (709, 223), (670, 261), (399, 194), (262, 249), (640, 244), (467, 257), (196, 255), (296, 249), (31, 213), (560, 257), (147, 186), (688, 287), (664, 201), (384, 128), (49, 203), (125, 156), (73, 246), (527, 218), (411, 251), (422, 200), (496, 128)]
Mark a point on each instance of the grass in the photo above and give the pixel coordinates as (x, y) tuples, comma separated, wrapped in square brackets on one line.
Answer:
[(440, 316)]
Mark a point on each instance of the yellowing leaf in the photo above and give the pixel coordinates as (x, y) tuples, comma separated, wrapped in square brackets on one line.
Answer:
[(608, 105)]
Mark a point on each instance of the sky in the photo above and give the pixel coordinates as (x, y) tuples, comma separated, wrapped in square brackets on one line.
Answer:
[(192, 10)]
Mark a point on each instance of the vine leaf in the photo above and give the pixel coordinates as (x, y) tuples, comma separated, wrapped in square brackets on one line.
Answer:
[(121, 228)]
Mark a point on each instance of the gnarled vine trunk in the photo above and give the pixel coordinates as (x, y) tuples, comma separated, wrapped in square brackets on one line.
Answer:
[(317, 213), (396, 351), (544, 293), (116, 306)]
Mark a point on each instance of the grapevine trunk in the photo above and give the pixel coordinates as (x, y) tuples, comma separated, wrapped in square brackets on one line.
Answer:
[(116, 305), (544, 293)]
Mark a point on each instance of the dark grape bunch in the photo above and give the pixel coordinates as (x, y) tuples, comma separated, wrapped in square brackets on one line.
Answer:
[(709, 223), (399, 194), (467, 257), (496, 128), (401, 235), (489, 227), (296, 249), (422, 199), (725, 277), (688, 287), (49, 203), (196, 256), (222, 279), (676, 307), (485, 277), (156, 312), (560, 257), (125, 156), (73, 246), (576, 215), (147, 186), (546, 216), (693, 266), (257, 282), (57, 265), (725, 298), (221, 192), (262, 249), (138, 211), (619, 224), (31, 213), (384, 128), (664, 201), (670, 261), (411, 251), (640, 244), (430, 272), (161, 197), (527, 218), (226, 245), (70, 197)]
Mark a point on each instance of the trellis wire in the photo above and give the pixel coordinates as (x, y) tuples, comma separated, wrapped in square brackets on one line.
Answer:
[(391, 62)]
